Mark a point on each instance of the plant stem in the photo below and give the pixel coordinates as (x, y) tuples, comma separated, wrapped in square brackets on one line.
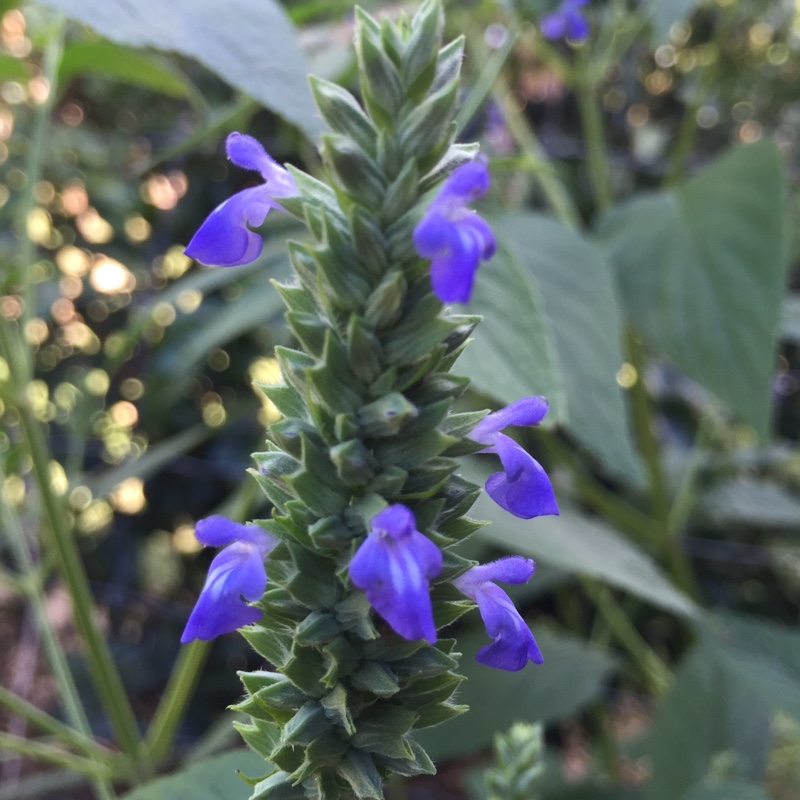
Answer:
[(42, 720), (650, 450), (593, 134), (555, 193), (55, 655), (181, 685), (655, 672), (33, 165), (52, 755), (103, 669)]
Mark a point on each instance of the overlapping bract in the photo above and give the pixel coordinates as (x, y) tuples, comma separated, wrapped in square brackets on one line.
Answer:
[(236, 574), (567, 22), (394, 566), (513, 644), (523, 487), (454, 236), (225, 238)]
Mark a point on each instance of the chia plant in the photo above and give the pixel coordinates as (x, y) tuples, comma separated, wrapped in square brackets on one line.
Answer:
[(361, 569)]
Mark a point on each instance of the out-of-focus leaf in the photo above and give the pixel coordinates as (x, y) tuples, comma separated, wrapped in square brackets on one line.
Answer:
[(747, 501), (552, 323), (724, 695), (791, 319), (573, 674), (665, 13), (127, 65), (249, 43), (735, 790), (702, 274), (512, 354), (578, 543), (12, 69), (214, 778)]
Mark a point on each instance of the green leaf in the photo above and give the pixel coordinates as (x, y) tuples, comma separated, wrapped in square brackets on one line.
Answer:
[(13, 69), (735, 790), (128, 65), (724, 695), (747, 501), (211, 779), (249, 43), (579, 543), (552, 320), (702, 273), (573, 673)]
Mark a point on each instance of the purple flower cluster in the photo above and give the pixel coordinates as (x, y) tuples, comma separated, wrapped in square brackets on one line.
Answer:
[(454, 236), (567, 22), (394, 567)]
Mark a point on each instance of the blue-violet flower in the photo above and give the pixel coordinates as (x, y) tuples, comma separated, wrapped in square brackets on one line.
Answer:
[(513, 644), (236, 574), (393, 566), (567, 22), (523, 487), (224, 239), (454, 236)]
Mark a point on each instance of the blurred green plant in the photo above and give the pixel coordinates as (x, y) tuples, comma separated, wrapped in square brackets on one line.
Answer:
[(648, 228)]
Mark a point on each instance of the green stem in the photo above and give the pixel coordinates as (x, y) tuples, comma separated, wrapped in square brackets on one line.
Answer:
[(33, 166), (688, 128), (555, 193), (642, 409), (110, 689), (52, 755), (55, 655), (593, 134), (655, 672), (181, 685), (48, 724)]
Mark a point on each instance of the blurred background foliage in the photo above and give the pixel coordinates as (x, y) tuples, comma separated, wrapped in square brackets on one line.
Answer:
[(142, 363)]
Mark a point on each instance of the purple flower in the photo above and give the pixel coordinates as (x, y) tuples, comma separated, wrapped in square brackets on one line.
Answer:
[(394, 566), (224, 239), (513, 644), (567, 22), (523, 487), (236, 574), (454, 236)]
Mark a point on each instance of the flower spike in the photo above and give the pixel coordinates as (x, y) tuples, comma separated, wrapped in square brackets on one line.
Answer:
[(236, 574), (454, 236), (393, 566), (567, 22), (224, 239), (522, 488), (513, 644)]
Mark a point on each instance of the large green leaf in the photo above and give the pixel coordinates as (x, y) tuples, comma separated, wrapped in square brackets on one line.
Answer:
[(578, 543), (249, 43), (724, 695), (747, 501), (552, 325), (735, 790), (573, 673), (702, 272), (213, 778), (127, 65), (512, 354)]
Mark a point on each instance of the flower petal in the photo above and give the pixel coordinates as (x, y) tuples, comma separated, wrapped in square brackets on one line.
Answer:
[(513, 644), (224, 239), (553, 26), (248, 153), (577, 26), (467, 182), (524, 488), (393, 566), (236, 572), (511, 569), (434, 235), (525, 411)]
